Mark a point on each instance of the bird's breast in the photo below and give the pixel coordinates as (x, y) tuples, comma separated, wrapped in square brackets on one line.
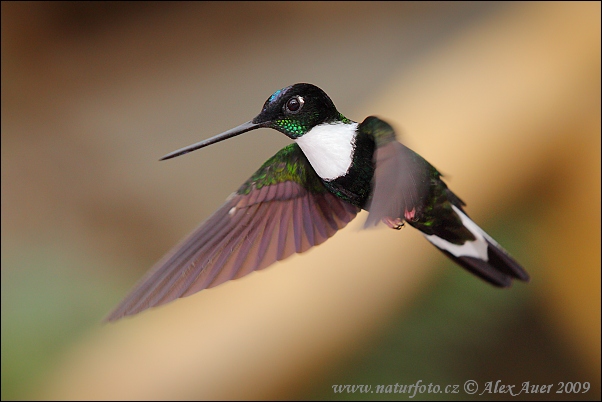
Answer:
[(329, 148), (355, 186)]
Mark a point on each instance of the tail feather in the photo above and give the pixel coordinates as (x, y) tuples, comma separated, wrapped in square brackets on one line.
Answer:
[(482, 256)]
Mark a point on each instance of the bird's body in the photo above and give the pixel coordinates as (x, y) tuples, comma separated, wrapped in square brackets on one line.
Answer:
[(310, 189)]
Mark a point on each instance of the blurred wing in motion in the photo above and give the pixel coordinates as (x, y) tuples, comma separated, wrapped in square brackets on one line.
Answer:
[(282, 209), (401, 177), (408, 188)]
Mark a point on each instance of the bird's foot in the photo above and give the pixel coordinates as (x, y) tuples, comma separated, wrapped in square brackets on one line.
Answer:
[(410, 215), (394, 223)]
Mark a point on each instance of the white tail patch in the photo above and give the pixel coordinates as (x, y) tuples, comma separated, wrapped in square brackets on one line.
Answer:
[(476, 248), (329, 148)]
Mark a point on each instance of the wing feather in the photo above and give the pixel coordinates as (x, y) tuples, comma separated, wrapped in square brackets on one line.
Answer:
[(273, 215), (401, 178), (264, 250)]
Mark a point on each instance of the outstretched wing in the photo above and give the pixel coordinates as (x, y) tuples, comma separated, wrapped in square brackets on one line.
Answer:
[(401, 176), (282, 209)]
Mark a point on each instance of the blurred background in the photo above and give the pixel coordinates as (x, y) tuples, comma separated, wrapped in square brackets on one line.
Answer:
[(503, 98)]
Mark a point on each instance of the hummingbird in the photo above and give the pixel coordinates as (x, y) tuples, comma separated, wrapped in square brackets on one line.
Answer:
[(309, 190)]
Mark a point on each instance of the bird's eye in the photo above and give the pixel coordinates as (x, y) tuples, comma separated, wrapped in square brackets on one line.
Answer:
[(294, 104)]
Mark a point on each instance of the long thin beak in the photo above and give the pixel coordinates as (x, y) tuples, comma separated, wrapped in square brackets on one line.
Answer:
[(243, 128)]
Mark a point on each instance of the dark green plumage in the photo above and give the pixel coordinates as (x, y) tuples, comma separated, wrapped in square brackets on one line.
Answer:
[(288, 164), (308, 191)]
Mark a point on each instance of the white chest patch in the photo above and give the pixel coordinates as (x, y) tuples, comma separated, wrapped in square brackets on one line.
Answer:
[(329, 148)]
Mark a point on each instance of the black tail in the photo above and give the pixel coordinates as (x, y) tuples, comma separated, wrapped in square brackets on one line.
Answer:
[(481, 256)]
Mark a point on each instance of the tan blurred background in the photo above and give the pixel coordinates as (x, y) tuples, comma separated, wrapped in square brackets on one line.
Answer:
[(504, 99)]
